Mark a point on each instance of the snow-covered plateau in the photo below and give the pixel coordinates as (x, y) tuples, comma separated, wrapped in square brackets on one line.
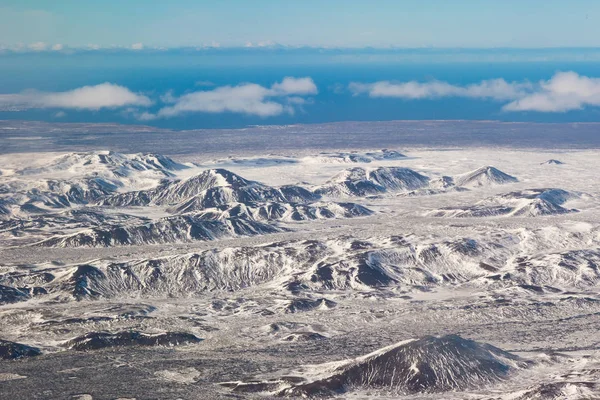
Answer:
[(376, 273)]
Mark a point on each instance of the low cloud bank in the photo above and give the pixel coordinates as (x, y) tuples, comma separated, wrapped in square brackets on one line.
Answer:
[(105, 95), (565, 91), (249, 98)]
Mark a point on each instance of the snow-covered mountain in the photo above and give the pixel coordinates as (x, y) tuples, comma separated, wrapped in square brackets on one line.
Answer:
[(285, 211), (524, 203), (571, 268), (360, 181), (211, 188), (484, 176), (269, 274), (79, 178), (440, 185), (21, 199), (101, 340), (213, 204), (552, 161), (301, 268), (14, 351), (175, 229), (427, 365), (108, 164), (323, 158), (354, 157)]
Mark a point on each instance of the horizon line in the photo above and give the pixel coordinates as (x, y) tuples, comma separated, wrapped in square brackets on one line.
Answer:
[(43, 48), (258, 126)]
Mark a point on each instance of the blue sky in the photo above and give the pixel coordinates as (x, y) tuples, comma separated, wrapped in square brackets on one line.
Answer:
[(338, 23), (525, 60)]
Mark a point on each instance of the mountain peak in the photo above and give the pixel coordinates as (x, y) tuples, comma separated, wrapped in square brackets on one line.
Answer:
[(107, 163), (360, 181), (485, 176), (552, 161), (428, 365)]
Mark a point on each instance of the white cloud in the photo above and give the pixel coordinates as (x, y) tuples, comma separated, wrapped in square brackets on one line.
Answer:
[(264, 43), (497, 89), (296, 100), (105, 95), (248, 98), (38, 46), (204, 83), (137, 46), (565, 91), (145, 116), (57, 47), (297, 86), (211, 45), (168, 97)]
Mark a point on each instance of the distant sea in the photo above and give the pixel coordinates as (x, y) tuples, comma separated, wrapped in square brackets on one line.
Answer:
[(156, 76)]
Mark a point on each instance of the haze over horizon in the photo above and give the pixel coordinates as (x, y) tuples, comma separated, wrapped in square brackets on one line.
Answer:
[(40, 24)]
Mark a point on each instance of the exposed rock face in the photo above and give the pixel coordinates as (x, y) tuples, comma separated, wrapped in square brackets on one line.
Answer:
[(427, 365), (553, 162), (303, 337), (300, 305), (13, 351), (10, 294), (100, 340), (180, 228), (286, 211), (431, 364)]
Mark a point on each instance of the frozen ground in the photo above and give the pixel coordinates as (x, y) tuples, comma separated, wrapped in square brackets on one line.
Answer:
[(289, 292), (33, 136)]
